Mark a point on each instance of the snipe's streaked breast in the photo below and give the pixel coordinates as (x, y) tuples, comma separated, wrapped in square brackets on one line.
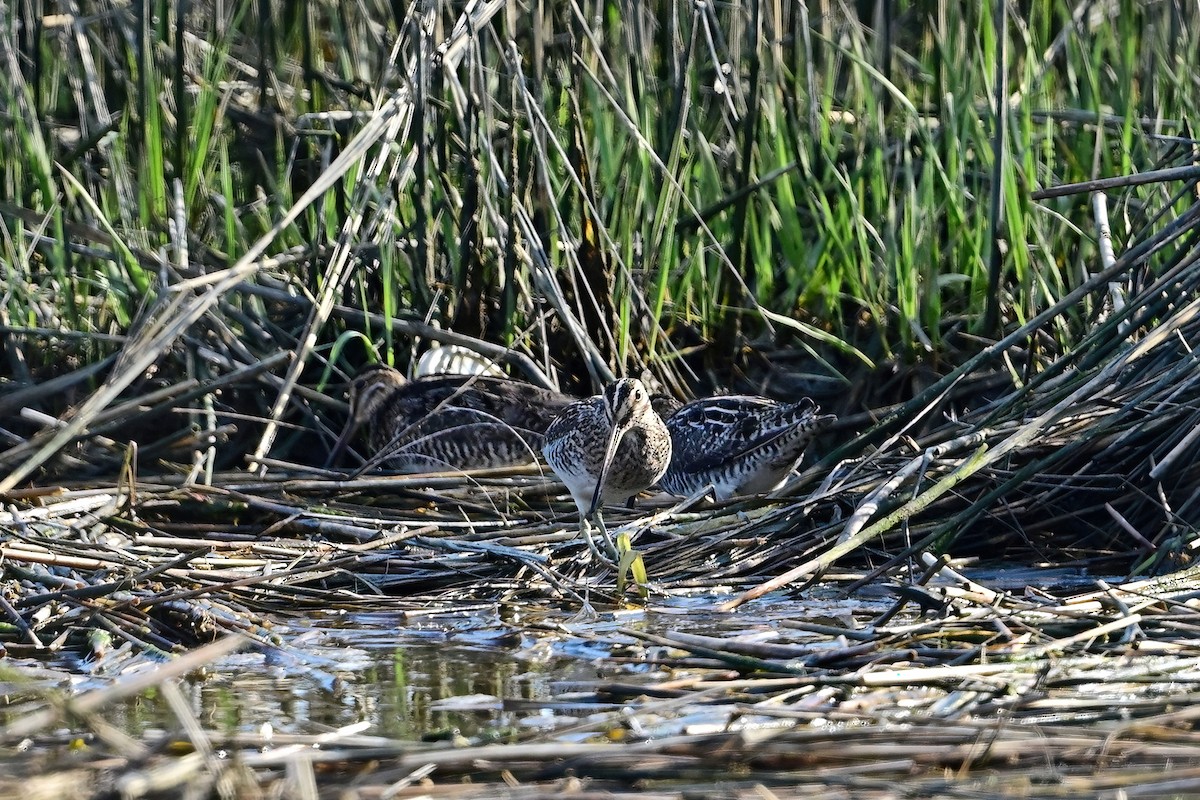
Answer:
[(448, 422), (609, 447), (738, 444)]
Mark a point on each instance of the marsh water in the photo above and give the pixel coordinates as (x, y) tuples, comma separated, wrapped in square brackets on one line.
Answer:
[(483, 673)]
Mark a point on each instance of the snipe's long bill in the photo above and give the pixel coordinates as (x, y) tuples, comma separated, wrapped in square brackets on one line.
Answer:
[(448, 422), (608, 448), (737, 444)]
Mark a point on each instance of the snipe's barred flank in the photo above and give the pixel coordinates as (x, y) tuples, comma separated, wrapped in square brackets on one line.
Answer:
[(738, 444), (448, 422)]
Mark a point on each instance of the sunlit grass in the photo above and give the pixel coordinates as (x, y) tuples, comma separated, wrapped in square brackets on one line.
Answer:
[(742, 168)]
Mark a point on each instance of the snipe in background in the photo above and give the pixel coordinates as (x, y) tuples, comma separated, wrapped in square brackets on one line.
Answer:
[(448, 422)]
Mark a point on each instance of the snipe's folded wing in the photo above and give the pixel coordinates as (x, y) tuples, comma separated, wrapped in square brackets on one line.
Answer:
[(717, 430)]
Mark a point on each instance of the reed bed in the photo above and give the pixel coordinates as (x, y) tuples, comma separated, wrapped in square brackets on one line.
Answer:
[(1087, 460), (148, 357), (797, 204)]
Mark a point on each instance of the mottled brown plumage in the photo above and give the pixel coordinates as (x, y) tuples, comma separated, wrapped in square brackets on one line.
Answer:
[(737, 444), (607, 448), (448, 422)]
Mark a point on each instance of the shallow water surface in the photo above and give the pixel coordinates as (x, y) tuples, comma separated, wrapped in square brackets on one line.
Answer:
[(484, 673), (784, 692)]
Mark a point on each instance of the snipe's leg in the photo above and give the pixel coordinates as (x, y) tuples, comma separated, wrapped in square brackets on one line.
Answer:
[(585, 526), (609, 544)]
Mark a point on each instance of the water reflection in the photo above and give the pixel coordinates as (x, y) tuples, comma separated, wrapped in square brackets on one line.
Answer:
[(475, 674), (480, 674)]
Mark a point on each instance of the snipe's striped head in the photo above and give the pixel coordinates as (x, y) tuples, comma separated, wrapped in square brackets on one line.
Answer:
[(625, 399), (627, 403), (371, 388), (369, 391), (738, 444)]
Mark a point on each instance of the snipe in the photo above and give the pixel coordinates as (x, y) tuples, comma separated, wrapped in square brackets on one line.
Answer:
[(448, 422), (607, 448), (737, 444)]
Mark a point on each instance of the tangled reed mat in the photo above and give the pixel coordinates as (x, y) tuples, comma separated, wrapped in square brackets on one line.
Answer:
[(1086, 459), (956, 690)]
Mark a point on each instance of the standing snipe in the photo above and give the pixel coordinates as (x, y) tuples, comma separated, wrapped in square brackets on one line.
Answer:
[(608, 448), (448, 422), (736, 444)]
